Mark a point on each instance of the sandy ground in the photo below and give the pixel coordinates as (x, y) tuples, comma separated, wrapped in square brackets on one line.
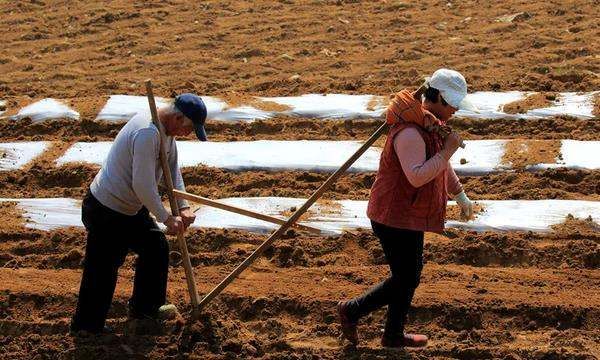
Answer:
[(483, 295), (216, 47)]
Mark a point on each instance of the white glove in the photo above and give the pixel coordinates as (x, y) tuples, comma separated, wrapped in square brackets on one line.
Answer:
[(466, 206)]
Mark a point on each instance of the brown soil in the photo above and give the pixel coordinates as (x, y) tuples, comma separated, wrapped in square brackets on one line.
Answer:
[(376, 102), (88, 107), (306, 129), (326, 208), (285, 303), (15, 103), (48, 158), (534, 101), (235, 99), (482, 295), (558, 128), (67, 130), (522, 153), (11, 217), (547, 184), (72, 181), (578, 227), (239, 47)]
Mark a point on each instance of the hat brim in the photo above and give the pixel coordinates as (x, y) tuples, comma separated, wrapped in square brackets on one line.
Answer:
[(200, 132), (467, 105)]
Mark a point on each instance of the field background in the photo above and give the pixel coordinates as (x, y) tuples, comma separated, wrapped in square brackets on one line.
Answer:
[(482, 295)]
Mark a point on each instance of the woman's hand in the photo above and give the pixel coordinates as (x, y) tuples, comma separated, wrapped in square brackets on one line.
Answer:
[(466, 206), (451, 144)]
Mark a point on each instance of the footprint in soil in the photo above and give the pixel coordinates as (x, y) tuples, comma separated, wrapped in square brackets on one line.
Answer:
[(287, 255), (72, 259)]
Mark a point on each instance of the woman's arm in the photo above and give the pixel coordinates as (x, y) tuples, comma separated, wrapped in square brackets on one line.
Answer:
[(454, 186), (410, 149)]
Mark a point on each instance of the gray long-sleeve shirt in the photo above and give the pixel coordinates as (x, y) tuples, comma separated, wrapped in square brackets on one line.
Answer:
[(130, 174)]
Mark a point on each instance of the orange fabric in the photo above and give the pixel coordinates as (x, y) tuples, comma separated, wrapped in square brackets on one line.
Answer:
[(395, 202), (405, 108)]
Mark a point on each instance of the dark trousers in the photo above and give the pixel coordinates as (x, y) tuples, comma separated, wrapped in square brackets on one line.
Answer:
[(110, 236), (403, 250)]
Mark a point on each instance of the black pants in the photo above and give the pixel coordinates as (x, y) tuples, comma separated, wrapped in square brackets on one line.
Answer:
[(403, 250), (110, 236)]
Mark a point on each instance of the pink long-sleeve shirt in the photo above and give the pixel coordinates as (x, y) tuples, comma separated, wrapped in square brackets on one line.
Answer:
[(410, 149)]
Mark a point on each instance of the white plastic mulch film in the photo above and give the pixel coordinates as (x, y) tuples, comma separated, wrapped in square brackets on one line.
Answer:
[(490, 105), (120, 108), (343, 106), (46, 109), (15, 155), (576, 155), (335, 216), (124, 107), (332, 217), (479, 156), (248, 155), (49, 214)]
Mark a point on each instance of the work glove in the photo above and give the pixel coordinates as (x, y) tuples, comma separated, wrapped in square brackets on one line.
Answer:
[(466, 206)]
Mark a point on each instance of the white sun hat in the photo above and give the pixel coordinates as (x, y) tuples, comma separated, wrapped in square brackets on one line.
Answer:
[(452, 87)]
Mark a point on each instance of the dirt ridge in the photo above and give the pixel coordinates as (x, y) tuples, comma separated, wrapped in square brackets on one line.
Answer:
[(510, 296), (87, 130)]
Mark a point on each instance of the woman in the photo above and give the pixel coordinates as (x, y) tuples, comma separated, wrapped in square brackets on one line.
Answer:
[(409, 197)]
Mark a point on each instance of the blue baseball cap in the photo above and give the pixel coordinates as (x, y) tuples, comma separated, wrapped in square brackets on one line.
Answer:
[(194, 109)]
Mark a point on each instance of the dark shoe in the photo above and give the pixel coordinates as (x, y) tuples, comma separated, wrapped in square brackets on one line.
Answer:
[(165, 312), (82, 332), (146, 326), (408, 340), (156, 323), (348, 326)]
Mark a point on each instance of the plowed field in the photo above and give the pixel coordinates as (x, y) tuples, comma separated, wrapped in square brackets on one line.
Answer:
[(482, 296)]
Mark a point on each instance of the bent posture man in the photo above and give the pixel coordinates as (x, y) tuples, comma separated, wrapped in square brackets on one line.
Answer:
[(116, 214)]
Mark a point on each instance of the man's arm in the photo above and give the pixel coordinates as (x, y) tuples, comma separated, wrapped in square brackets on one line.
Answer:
[(176, 174), (187, 216), (145, 156)]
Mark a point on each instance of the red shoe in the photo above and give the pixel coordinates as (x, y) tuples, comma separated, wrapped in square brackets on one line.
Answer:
[(408, 340), (348, 326)]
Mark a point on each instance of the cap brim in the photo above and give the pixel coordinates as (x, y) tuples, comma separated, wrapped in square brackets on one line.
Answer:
[(200, 132), (467, 105)]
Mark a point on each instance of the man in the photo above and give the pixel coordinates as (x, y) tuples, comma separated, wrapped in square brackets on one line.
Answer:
[(409, 197), (116, 214)]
